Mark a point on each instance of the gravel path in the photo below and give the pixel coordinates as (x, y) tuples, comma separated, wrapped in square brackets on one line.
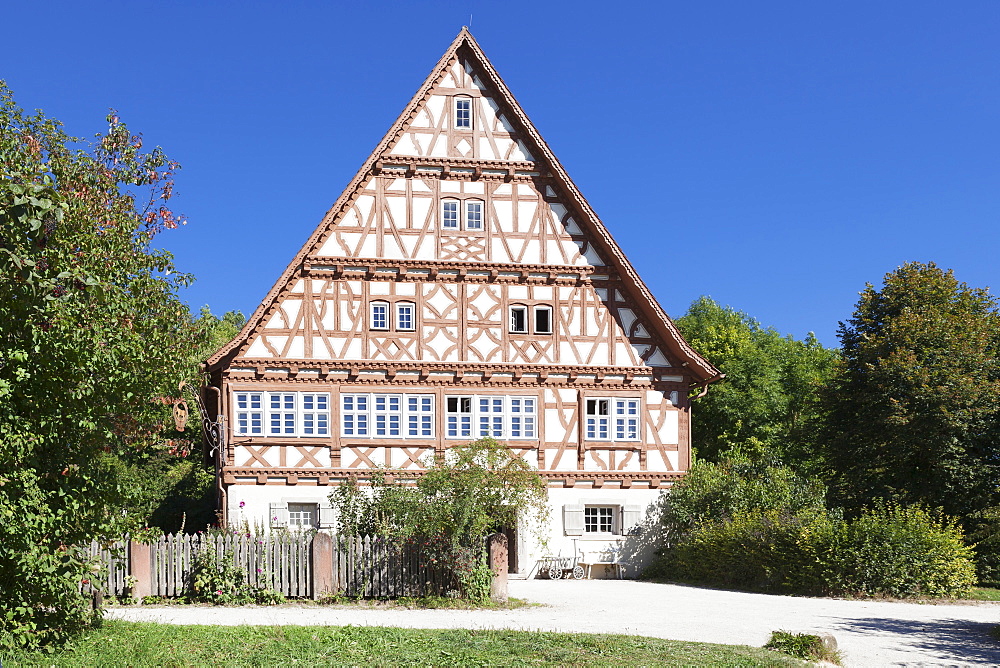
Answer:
[(869, 633)]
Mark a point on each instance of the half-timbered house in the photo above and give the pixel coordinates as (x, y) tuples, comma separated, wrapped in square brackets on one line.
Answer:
[(461, 286)]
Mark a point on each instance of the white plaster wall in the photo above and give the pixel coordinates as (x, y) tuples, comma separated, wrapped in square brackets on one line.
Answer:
[(639, 547), (256, 499)]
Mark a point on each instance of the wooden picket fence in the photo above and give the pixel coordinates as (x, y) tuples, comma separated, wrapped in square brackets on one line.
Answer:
[(372, 567), (278, 561), (360, 566), (116, 567)]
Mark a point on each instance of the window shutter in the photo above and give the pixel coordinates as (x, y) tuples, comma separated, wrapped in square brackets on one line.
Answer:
[(279, 515), (327, 517), (631, 516), (573, 520)]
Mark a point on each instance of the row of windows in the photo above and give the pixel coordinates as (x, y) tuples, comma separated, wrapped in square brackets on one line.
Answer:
[(281, 414), (381, 415), (403, 318)]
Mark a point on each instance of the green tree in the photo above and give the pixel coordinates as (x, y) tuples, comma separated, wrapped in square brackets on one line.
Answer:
[(767, 403), (92, 338), (913, 410), (472, 491)]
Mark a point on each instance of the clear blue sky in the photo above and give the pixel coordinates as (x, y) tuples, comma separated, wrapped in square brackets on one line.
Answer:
[(773, 155)]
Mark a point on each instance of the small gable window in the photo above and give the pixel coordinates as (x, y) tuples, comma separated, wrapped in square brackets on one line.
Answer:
[(543, 320), (519, 319), (449, 214), (463, 112), (473, 215), (380, 315), (404, 316)]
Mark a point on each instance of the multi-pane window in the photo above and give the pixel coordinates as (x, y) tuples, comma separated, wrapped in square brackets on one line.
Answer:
[(354, 415), (380, 315), (491, 416), (626, 419), (249, 413), (602, 414), (599, 519), (505, 417), (281, 414), (302, 515), (404, 316), (420, 415), (379, 415), (315, 414), (473, 215), (458, 417), (451, 218), (449, 214), (463, 112), (597, 419)]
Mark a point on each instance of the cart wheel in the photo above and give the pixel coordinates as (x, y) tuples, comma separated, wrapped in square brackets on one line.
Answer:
[(578, 572), (555, 573)]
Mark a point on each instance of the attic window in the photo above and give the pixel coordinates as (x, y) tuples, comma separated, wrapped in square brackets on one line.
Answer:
[(463, 112), (519, 319)]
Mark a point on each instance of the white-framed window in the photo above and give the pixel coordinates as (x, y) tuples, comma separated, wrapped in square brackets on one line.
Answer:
[(518, 319), (387, 414), (419, 415), (303, 515), (473, 214), (354, 414), (379, 315), (249, 413), (449, 214), (463, 112), (600, 519), (458, 417), (282, 414), (405, 312), (315, 414), (499, 416), (384, 415), (612, 419), (540, 321), (543, 320)]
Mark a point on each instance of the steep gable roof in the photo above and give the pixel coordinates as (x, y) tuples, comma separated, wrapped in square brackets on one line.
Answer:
[(532, 148)]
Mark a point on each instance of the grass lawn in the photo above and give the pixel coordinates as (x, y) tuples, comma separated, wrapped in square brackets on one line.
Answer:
[(144, 644)]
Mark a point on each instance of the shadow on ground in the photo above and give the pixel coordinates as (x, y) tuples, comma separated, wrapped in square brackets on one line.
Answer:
[(952, 640)]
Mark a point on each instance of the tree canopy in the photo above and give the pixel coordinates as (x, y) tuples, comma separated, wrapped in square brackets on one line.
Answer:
[(92, 339), (913, 411), (766, 405)]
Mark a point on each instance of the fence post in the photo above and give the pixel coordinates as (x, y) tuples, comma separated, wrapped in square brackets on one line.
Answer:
[(140, 569), (322, 564), (498, 564)]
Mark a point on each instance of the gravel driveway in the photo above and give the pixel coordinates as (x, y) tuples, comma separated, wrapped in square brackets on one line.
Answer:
[(869, 633)]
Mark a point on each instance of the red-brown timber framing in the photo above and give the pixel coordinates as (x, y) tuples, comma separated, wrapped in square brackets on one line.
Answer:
[(228, 371)]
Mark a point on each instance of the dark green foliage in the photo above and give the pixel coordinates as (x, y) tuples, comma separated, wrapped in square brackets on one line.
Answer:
[(914, 410), (475, 490), (802, 646), (219, 581), (767, 403), (718, 492), (887, 551), (92, 338)]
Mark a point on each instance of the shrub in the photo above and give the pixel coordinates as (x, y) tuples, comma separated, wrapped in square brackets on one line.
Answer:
[(889, 550), (717, 492), (804, 646), (221, 582)]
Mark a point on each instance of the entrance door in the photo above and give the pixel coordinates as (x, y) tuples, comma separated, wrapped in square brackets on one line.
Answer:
[(511, 549)]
